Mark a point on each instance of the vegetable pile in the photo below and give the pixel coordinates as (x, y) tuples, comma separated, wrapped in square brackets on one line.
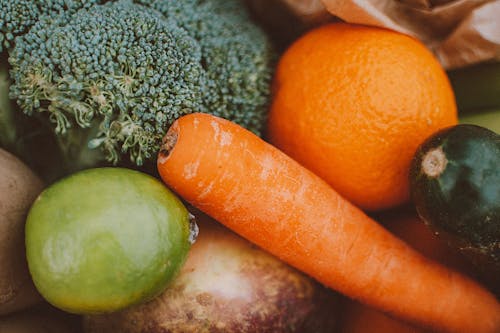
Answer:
[(144, 184), (228, 283), (115, 75), (306, 223)]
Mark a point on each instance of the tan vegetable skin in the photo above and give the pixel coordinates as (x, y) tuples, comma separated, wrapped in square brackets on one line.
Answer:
[(228, 285), (19, 187)]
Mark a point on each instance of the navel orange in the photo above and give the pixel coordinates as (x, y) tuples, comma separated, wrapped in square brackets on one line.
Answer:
[(352, 103)]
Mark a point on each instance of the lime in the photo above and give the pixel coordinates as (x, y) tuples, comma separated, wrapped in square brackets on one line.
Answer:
[(106, 238)]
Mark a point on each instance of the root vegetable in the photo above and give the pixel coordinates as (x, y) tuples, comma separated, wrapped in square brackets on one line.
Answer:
[(19, 187), (273, 201), (359, 318)]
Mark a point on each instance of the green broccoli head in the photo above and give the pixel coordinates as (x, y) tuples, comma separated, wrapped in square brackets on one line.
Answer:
[(121, 64), (130, 69), (18, 16), (236, 56)]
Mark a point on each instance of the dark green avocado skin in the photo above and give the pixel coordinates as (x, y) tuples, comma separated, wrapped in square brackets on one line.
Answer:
[(462, 203)]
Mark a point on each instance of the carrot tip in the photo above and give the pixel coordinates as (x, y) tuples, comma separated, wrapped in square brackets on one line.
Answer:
[(168, 143)]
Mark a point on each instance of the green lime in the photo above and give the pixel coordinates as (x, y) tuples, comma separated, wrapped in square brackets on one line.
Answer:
[(104, 239)]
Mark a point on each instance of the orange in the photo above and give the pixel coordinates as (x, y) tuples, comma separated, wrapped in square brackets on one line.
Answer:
[(352, 103)]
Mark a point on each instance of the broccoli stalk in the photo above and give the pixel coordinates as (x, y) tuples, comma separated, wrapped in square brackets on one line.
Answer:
[(32, 140), (114, 76), (8, 131)]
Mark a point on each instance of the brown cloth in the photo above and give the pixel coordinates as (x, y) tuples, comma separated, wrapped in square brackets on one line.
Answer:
[(459, 32)]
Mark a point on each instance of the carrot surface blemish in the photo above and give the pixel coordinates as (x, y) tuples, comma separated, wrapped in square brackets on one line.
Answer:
[(262, 194)]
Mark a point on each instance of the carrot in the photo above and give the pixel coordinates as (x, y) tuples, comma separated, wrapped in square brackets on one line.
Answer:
[(268, 198), (359, 318)]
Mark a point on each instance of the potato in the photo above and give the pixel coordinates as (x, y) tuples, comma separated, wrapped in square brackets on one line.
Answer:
[(42, 318), (19, 187), (228, 285)]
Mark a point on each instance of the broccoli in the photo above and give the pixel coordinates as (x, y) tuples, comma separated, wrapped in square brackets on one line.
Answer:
[(18, 16), (122, 63), (7, 128), (235, 54), (115, 75)]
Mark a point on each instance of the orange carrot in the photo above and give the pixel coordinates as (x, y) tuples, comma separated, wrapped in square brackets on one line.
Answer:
[(268, 198), (359, 318)]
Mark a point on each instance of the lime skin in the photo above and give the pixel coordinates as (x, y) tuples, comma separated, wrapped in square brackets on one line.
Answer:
[(103, 239)]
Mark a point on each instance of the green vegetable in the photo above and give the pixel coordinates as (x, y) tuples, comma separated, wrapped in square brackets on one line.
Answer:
[(455, 185), (8, 130), (32, 140), (476, 87), (128, 69), (106, 238), (18, 16)]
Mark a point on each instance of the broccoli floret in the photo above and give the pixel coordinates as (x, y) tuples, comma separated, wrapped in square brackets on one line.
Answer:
[(18, 16), (131, 68), (31, 138), (121, 63), (235, 54)]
